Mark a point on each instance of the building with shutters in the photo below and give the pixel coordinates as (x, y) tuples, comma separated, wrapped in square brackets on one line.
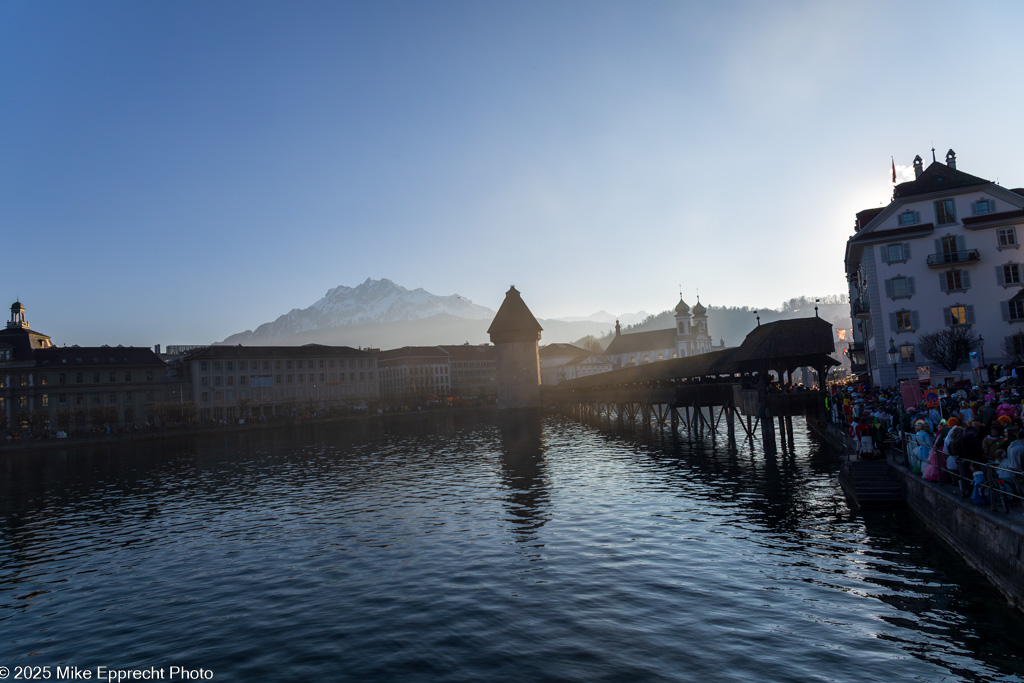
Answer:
[(945, 252)]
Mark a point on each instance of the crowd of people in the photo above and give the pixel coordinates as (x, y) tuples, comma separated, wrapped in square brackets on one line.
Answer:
[(969, 435)]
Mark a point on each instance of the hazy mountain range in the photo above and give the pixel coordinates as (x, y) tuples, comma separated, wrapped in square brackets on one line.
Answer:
[(382, 314)]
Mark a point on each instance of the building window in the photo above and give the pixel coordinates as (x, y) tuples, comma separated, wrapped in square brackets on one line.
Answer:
[(203, 366), (945, 212), (1009, 274), (903, 321), (959, 314), (216, 365), (982, 207), (113, 377), (907, 353), (955, 280), (899, 288), (895, 253), (908, 218), (1016, 310), (1007, 237)]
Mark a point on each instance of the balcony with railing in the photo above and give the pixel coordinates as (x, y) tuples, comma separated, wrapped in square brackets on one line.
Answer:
[(947, 258), (860, 308)]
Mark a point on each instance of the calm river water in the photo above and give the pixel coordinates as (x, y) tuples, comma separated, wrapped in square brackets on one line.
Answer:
[(478, 547)]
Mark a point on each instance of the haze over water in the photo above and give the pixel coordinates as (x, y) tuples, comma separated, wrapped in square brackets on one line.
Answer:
[(478, 547)]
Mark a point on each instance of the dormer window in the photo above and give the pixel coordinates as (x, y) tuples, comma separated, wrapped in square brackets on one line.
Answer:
[(909, 218), (983, 206)]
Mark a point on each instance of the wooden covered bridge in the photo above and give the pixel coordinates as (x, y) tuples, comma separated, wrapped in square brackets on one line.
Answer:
[(752, 382)]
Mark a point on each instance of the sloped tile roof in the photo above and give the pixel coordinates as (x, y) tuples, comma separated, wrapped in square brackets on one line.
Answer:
[(642, 341), (938, 177)]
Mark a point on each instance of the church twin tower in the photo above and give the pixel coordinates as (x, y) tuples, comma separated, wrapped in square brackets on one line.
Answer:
[(515, 334)]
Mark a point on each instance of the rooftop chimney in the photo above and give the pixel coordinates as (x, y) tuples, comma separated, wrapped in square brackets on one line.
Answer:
[(918, 166), (951, 159)]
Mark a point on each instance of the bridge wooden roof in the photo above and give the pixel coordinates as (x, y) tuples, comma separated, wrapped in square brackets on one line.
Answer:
[(781, 344)]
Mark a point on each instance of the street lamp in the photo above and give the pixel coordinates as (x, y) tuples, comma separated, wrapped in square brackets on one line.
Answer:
[(894, 357), (981, 341)]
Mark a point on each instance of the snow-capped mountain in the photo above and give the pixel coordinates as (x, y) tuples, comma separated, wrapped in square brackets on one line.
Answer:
[(371, 303)]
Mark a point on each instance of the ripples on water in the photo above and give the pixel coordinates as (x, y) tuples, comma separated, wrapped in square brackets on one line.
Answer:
[(471, 548)]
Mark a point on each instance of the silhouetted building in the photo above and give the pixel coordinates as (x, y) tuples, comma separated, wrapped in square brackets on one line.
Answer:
[(233, 382), (74, 388), (515, 333)]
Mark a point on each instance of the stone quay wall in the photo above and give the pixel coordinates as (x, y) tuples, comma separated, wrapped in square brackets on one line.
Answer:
[(990, 541)]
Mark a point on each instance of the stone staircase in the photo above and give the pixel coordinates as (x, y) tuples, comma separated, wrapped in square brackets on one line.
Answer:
[(871, 483)]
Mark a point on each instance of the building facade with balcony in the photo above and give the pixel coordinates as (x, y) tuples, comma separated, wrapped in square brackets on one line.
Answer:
[(944, 253)]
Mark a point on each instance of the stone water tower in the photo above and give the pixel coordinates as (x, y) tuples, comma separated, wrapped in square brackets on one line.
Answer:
[(515, 334)]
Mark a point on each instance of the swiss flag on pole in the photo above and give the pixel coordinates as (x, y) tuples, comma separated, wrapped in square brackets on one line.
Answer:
[(893, 170)]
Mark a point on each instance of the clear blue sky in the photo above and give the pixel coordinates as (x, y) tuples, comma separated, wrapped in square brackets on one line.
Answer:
[(174, 172)]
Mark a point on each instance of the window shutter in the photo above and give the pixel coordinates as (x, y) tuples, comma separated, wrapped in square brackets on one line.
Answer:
[(1005, 305), (965, 278), (942, 282), (906, 251), (938, 246), (888, 288), (910, 287), (970, 314), (991, 205), (974, 208), (892, 322), (961, 243), (885, 253), (917, 217), (915, 322), (1000, 275), (948, 316)]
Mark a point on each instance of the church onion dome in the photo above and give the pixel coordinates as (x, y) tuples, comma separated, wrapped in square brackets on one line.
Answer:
[(699, 309), (682, 308)]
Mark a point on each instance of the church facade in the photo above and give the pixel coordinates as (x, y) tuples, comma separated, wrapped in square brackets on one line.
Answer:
[(689, 337)]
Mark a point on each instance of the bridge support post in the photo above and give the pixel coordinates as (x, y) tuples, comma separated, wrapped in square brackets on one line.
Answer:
[(768, 434), (782, 432), (789, 431), (730, 425)]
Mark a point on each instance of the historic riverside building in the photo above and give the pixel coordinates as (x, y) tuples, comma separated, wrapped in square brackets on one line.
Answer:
[(516, 334), (561, 362), (945, 252), (73, 388), (421, 374), (234, 382), (689, 337)]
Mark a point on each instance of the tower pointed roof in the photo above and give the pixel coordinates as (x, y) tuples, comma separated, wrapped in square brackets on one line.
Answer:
[(514, 321)]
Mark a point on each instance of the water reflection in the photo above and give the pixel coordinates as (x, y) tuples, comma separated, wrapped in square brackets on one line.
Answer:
[(523, 472)]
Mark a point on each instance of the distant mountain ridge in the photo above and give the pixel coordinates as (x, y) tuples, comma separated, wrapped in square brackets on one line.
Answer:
[(382, 314), (374, 302)]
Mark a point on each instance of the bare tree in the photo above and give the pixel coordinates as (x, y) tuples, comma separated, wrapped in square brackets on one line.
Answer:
[(590, 343), (950, 348), (1013, 348)]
